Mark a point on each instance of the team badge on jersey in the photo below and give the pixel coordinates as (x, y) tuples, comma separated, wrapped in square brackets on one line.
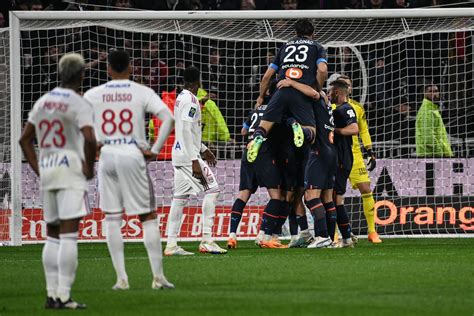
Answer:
[(192, 112)]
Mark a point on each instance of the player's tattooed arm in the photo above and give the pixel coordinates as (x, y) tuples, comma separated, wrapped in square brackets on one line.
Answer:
[(26, 143), (303, 88)]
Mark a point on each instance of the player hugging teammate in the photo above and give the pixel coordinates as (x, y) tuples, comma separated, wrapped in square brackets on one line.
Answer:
[(321, 131)]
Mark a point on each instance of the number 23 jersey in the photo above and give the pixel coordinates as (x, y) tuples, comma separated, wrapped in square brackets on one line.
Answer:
[(298, 59), (58, 117)]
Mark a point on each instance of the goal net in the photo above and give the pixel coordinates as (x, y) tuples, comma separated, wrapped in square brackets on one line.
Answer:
[(390, 55)]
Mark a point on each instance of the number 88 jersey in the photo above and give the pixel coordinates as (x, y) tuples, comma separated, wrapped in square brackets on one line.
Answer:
[(120, 107), (298, 59)]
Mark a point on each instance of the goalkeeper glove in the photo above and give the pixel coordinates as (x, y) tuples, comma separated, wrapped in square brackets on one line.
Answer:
[(371, 163)]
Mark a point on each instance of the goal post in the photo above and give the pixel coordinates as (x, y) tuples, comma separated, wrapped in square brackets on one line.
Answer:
[(389, 54)]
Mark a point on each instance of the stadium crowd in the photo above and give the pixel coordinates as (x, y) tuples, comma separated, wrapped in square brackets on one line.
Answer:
[(231, 70)]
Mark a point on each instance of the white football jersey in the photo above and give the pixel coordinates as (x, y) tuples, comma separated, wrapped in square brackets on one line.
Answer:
[(58, 117), (186, 109), (120, 107)]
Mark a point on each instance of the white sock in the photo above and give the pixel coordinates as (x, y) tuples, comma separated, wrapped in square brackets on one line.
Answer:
[(294, 237), (50, 265), (208, 213), (67, 262), (267, 237), (233, 235), (113, 224), (174, 220), (305, 233), (152, 241)]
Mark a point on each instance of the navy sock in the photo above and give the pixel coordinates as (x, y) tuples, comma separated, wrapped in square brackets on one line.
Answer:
[(284, 212), (236, 214), (319, 214), (292, 222), (260, 131), (302, 222), (270, 216), (343, 221), (331, 218)]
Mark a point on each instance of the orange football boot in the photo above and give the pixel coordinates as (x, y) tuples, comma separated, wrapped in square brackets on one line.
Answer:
[(232, 243), (374, 238)]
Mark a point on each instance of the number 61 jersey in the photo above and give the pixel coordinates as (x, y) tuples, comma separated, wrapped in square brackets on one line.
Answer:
[(58, 117), (120, 107)]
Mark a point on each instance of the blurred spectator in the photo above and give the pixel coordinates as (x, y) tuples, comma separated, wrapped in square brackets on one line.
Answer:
[(399, 123), (400, 4), (214, 127), (2, 20), (150, 70), (289, 4), (22, 5), (375, 4), (379, 84), (431, 136), (122, 5), (218, 75), (36, 5), (248, 4)]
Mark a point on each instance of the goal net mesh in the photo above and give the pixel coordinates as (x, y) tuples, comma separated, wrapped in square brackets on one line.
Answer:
[(390, 60)]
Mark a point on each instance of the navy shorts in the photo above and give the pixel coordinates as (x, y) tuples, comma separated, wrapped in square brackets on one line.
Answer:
[(267, 169), (320, 171), (248, 177), (293, 163), (290, 102), (342, 175)]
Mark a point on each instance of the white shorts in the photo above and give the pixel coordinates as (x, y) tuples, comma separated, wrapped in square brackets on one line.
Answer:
[(124, 183), (64, 204), (186, 184)]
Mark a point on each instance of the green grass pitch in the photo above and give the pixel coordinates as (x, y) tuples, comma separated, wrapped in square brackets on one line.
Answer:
[(399, 277)]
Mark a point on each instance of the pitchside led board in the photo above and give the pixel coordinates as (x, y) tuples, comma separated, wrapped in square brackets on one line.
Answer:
[(413, 197)]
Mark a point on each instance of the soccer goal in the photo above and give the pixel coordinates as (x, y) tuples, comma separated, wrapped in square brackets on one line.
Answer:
[(391, 55)]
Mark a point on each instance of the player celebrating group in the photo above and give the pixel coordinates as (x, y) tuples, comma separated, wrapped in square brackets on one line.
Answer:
[(191, 174), (63, 124), (302, 59)]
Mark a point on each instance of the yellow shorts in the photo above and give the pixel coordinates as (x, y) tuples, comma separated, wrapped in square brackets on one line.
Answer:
[(359, 173)]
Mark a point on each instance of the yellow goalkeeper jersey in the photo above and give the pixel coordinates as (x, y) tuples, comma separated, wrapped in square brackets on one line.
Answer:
[(363, 130)]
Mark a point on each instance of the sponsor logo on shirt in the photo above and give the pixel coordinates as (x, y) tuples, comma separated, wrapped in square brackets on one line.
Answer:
[(192, 112)]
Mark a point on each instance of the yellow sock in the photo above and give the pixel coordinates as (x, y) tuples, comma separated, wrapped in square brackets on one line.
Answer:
[(368, 203)]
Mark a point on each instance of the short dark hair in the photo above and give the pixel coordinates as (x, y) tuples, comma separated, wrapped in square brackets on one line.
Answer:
[(304, 27), (340, 83), (119, 60), (191, 75), (429, 85)]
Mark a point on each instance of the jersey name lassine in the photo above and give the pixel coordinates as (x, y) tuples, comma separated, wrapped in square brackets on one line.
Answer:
[(298, 59), (344, 115), (120, 107), (186, 109), (58, 117)]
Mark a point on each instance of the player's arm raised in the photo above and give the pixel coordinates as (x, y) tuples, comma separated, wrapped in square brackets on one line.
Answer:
[(303, 88), (265, 84), (26, 143)]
